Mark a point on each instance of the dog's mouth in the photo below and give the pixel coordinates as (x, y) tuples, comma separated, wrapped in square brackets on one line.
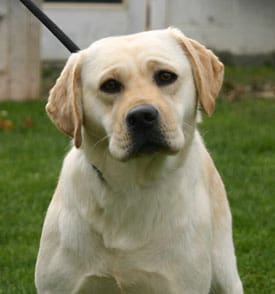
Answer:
[(144, 135), (142, 145), (143, 126), (147, 142), (149, 148)]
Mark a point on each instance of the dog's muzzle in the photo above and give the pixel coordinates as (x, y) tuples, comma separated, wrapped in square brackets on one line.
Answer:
[(143, 124)]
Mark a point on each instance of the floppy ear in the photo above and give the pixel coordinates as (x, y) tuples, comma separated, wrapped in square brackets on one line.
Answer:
[(207, 70), (64, 103)]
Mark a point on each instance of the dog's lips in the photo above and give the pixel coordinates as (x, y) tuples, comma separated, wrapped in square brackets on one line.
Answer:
[(148, 148), (145, 144)]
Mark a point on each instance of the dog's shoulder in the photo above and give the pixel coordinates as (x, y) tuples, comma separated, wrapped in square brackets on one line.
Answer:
[(216, 190)]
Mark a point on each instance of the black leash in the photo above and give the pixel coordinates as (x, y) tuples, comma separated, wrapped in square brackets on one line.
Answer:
[(59, 34)]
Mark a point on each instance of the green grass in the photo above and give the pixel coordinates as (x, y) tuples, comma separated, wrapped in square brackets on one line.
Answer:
[(241, 139), (30, 157), (240, 136)]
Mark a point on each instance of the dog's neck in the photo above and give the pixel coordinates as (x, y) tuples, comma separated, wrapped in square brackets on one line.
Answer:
[(147, 181), (139, 172)]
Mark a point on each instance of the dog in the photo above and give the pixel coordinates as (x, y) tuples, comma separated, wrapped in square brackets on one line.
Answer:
[(139, 207)]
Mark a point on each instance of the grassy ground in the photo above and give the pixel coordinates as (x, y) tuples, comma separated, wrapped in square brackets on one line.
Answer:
[(241, 139), (30, 156)]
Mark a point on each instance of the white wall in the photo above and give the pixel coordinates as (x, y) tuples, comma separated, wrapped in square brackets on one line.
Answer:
[(237, 26), (19, 52), (85, 23)]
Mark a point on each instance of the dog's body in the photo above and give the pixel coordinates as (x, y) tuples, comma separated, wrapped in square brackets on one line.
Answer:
[(139, 207)]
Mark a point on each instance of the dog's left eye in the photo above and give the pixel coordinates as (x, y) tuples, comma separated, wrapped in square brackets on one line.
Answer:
[(111, 86), (164, 77)]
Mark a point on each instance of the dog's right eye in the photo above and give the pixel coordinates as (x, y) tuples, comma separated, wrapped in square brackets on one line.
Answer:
[(111, 86)]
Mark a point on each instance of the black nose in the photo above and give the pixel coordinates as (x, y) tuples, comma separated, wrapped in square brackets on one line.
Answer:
[(144, 115)]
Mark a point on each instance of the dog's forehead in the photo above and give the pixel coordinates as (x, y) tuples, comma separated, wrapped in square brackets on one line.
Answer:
[(159, 43), (136, 40)]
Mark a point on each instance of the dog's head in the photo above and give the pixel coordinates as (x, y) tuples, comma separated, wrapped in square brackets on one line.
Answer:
[(140, 91)]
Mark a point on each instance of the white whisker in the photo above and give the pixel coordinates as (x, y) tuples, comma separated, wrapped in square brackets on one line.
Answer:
[(188, 125), (100, 141)]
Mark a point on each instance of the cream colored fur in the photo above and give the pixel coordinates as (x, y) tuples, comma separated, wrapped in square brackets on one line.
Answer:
[(154, 224)]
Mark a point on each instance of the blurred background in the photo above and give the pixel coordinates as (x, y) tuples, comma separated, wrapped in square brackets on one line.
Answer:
[(240, 135)]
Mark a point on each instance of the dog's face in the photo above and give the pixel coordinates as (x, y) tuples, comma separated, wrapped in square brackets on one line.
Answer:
[(141, 88), (139, 91)]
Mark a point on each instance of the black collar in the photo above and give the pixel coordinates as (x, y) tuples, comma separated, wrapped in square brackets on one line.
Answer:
[(99, 173)]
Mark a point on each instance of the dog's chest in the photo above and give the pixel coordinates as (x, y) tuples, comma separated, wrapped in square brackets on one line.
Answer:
[(136, 282), (147, 270), (144, 253), (142, 237), (128, 221), (156, 268)]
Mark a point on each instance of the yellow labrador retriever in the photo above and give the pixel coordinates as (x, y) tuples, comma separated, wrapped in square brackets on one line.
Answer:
[(139, 206)]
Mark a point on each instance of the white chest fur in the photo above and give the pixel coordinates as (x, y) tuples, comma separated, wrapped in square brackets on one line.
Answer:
[(132, 224)]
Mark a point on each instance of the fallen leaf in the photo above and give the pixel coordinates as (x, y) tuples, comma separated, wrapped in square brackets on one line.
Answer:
[(28, 122), (6, 124)]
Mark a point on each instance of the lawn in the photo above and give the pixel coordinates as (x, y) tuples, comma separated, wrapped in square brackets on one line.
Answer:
[(240, 137)]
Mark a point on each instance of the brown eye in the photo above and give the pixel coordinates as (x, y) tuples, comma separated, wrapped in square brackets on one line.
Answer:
[(111, 86), (164, 77)]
